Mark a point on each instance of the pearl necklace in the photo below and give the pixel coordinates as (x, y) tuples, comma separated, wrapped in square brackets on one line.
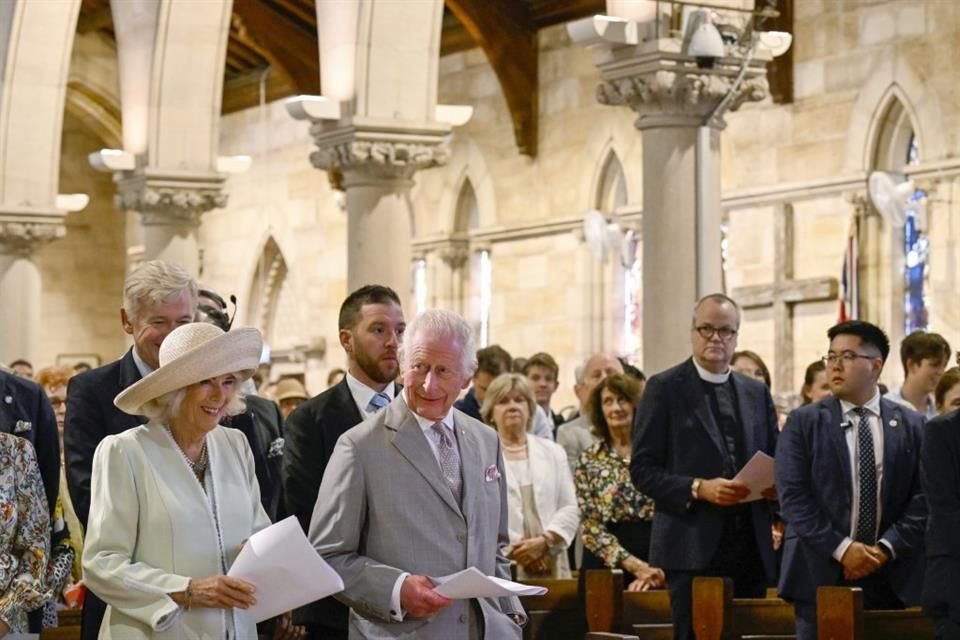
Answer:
[(515, 449), (200, 466)]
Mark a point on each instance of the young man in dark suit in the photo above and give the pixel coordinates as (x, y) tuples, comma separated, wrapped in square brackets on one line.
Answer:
[(371, 328), (697, 425), (848, 478)]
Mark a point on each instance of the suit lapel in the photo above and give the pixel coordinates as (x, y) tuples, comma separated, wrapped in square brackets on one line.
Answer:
[(410, 440), (7, 400), (831, 415), (745, 404), (470, 466), (693, 388), (348, 415), (128, 375), (893, 426)]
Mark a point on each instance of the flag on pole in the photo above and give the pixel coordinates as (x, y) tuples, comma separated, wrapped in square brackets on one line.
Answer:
[(850, 279)]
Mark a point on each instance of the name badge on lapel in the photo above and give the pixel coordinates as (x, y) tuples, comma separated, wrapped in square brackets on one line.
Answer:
[(491, 474), (22, 426)]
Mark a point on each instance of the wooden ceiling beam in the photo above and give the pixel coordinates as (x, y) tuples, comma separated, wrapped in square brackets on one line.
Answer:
[(287, 43), (505, 32)]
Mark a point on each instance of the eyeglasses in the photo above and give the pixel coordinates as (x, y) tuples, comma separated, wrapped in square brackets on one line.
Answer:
[(707, 331), (847, 357)]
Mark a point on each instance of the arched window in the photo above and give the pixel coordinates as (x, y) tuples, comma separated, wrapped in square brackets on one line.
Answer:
[(916, 251), (273, 306)]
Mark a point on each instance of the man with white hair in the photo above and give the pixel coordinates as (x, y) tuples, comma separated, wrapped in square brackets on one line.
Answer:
[(419, 490), (158, 297), (576, 436)]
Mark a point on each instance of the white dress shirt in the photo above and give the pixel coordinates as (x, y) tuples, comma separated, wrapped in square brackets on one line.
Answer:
[(362, 394), (850, 423)]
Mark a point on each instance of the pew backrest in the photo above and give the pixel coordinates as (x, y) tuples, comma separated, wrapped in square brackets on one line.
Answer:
[(841, 616)]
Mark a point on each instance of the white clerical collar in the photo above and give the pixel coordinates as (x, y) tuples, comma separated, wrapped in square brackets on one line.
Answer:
[(142, 366), (427, 423), (709, 376), (362, 394), (873, 406)]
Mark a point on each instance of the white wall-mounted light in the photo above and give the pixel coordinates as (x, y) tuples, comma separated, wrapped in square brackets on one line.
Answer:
[(778, 42), (641, 11), (112, 160), (72, 202), (455, 115), (312, 108), (702, 39), (599, 30), (234, 164)]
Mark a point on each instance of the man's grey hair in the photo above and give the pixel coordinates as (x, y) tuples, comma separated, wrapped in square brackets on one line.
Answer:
[(446, 324), (156, 282), (716, 298), (159, 410)]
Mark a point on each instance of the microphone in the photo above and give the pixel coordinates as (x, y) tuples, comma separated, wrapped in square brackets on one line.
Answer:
[(846, 424)]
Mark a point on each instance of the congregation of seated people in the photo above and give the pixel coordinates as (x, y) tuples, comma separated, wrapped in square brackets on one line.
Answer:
[(640, 477)]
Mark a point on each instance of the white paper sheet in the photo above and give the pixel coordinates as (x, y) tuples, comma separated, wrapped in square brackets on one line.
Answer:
[(757, 474), (471, 583), (286, 570)]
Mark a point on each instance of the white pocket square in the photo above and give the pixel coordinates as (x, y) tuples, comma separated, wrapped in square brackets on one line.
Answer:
[(22, 426), (491, 474)]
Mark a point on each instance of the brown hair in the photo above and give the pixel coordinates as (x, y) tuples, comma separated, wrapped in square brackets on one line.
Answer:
[(755, 358), (809, 376), (544, 360), (921, 345), (621, 385), (948, 380), (53, 377)]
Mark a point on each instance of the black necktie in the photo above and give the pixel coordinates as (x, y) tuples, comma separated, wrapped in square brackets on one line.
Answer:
[(867, 517)]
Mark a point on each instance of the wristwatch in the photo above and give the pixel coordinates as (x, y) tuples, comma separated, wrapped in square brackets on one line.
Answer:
[(695, 488)]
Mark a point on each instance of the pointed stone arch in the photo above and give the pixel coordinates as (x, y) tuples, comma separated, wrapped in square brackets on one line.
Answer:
[(272, 305), (610, 191)]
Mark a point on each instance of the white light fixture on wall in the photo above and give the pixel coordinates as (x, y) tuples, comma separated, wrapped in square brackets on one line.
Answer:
[(112, 160)]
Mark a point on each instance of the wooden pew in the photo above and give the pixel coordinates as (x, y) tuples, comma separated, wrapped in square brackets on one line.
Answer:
[(717, 615), (554, 615), (615, 613), (68, 626), (840, 616)]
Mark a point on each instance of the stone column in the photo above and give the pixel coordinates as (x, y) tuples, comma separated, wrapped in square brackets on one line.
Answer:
[(378, 164), (170, 206), (21, 234), (675, 100)]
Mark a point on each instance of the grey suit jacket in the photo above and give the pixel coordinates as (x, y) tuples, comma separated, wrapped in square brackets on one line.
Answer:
[(384, 508)]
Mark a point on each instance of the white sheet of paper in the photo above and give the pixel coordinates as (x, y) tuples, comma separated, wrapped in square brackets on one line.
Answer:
[(286, 570), (22, 636), (471, 583), (756, 474)]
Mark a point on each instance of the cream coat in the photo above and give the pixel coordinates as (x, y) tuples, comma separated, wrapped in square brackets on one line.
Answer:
[(151, 529), (553, 492)]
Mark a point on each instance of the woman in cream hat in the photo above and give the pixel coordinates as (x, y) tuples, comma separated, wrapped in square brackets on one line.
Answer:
[(173, 500)]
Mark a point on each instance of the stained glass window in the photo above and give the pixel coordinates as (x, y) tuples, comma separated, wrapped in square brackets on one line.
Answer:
[(916, 248)]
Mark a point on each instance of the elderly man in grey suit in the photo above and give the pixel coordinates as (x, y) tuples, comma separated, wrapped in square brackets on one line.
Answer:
[(418, 491)]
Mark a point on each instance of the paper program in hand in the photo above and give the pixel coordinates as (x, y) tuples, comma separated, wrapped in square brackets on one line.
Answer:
[(285, 569), (757, 474), (471, 583)]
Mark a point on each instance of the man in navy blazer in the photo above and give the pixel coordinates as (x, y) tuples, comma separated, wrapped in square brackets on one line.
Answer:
[(697, 425), (371, 326), (848, 478)]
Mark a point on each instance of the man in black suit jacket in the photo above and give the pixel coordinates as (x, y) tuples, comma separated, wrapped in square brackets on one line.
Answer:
[(158, 297), (26, 412), (848, 477), (941, 480), (697, 425), (371, 327)]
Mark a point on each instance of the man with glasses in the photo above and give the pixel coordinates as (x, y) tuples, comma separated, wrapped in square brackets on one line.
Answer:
[(697, 425), (848, 477)]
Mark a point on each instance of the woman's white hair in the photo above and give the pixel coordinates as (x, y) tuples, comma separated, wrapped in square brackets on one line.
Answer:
[(160, 409), (440, 323), (502, 386), (155, 282)]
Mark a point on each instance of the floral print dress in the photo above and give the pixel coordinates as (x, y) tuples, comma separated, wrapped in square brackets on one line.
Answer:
[(605, 494), (24, 533)]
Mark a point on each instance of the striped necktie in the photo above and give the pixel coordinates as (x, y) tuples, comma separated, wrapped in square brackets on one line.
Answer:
[(448, 457), (377, 402)]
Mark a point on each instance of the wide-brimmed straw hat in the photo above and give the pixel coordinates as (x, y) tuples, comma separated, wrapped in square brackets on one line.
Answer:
[(290, 388), (193, 353)]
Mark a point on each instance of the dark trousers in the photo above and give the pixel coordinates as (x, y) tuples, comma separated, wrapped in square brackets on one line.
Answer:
[(91, 616), (320, 632), (737, 557), (877, 594)]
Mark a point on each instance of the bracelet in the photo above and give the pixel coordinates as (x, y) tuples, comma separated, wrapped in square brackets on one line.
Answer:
[(188, 593)]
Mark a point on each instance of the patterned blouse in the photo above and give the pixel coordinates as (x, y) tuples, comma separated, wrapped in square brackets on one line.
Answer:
[(605, 494), (24, 533)]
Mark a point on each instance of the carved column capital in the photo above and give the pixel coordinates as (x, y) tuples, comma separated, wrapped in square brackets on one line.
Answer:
[(667, 89), (22, 233), (169, 198), (456, 254), (364, 154)]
